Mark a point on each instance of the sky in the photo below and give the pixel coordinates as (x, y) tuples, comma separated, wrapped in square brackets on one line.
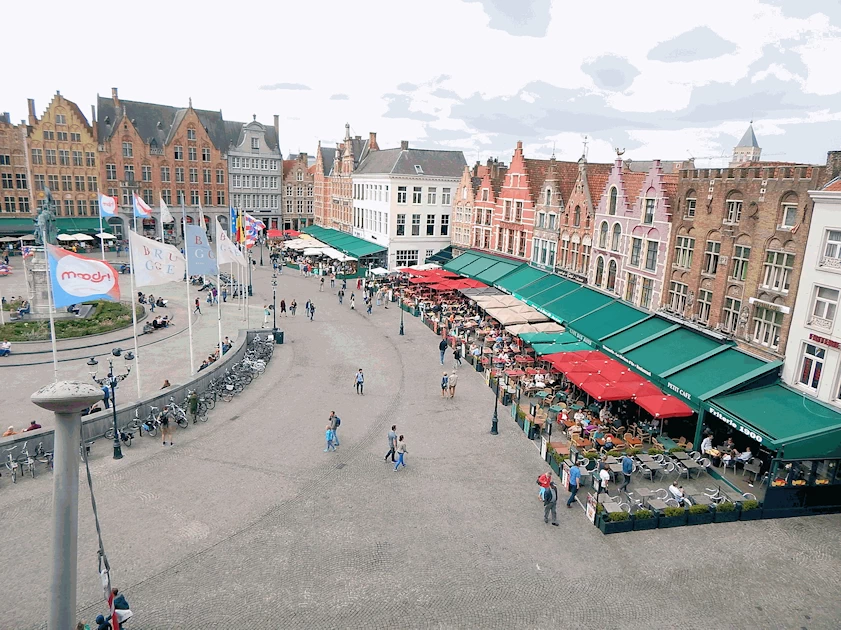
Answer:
[(653, 78)]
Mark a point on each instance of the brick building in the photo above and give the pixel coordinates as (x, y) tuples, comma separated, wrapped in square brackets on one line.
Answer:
[(159, 151), (631, 232), (462, 217), (332, 186), (488, 184), (737, 246), (298, 192), (14, 178), (473, 203)]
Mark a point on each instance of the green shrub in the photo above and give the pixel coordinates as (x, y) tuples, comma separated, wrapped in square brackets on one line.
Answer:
[(521, 415), (642, 515), (591, 455), (674, 511), (677, 449), (559, 459), (633, 451), (699, 509), (615, 453), (655, 451), (617, 517), (725, 506), (599, 508), (749, 505)]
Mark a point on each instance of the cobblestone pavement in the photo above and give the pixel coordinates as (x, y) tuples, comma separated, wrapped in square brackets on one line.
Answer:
[(247, 523)]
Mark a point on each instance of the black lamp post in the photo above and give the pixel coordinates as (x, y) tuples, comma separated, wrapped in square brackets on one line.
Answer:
[(261, 252), (274, 303), (401, 314), (112, 380), (495, 419)]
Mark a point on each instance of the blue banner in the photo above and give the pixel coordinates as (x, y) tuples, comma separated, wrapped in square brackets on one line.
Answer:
[(201, 259), (77, 279)]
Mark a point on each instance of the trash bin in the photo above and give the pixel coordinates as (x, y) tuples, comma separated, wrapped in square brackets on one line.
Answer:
[(278, 336), (533, 431), (506, 399)]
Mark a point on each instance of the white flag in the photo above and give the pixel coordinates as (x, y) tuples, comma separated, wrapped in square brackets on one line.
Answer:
[(226, 251), (166, 217), (154, 262)]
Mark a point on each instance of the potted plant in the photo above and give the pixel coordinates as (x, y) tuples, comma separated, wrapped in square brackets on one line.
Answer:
[(644, 519), (591, 455), (615, 523), (521, 419), (614, 453), (633, 451), (672, 517), (699, 515), (677, 449), (725, 512), (751, 510), (655, 451)]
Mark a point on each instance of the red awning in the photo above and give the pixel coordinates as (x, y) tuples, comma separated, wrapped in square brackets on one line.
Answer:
[(274, 234), (602, 389), (664, 406), (640, 388), (424, 280)]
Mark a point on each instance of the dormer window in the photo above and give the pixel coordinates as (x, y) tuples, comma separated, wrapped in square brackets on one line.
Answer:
[(548, 201), (191, 134), (418, 169), (255, 143)]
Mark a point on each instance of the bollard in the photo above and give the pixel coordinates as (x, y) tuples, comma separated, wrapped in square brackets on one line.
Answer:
[(66, 399)]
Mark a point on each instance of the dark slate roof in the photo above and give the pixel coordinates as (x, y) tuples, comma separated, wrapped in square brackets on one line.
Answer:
[(328, 154), (749, 139), (433, 163), (235, 133), (643, 166)]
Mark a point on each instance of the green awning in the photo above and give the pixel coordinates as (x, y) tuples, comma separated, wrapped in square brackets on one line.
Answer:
[(729, 368), (670, 350), (64, 225), (16, 226), (442, 257), (643, 330), (542, 349), (522, 277), (608, 320), (476, 267), (526, 292), (558, 290), (497, 271), (346, 243), (575, 304), (803, 427), (458, 262), (545, 337)]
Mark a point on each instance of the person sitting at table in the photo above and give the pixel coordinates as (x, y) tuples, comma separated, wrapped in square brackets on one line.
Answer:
[(744, 458), (574, 431), (655, 426), (729, 446), (677, 493), (24, 308), (579, 417)]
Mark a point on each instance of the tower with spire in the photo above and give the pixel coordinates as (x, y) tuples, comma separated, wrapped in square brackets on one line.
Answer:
[(748, 149)]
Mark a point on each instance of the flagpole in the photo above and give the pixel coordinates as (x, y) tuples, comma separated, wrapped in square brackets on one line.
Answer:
[(2, 313), (134, 311), (219, 306), (25, 272), (50, 297), (189, 305), (101, 240), (247, 312)]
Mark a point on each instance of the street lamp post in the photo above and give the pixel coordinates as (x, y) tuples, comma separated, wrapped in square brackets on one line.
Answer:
[(261, 252), (274, 303), (495, 419), (401, 314), (112, 380)]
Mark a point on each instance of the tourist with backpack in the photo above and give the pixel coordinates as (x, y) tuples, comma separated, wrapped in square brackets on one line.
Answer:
[(329, 435), (335, 422)]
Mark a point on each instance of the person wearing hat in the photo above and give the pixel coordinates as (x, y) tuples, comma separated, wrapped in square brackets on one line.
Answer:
[(452, 380), (445, 385)]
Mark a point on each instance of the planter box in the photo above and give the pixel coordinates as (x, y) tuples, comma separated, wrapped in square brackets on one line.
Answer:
[(619, 527), (645, 523), (521, 422), (726, 517), (699, 519), (671, 521), (553, 464), (750, 515)]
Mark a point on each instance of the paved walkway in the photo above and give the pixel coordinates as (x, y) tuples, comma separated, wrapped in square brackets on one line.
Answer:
[(247, 523)]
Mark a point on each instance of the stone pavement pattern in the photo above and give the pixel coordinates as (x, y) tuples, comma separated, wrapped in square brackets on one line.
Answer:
[(247, 523)]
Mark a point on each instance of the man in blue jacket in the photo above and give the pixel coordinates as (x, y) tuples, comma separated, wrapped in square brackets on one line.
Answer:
[(574, 483), (627, 469)]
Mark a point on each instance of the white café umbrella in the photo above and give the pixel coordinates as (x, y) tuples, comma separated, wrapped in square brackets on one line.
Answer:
[(82, 237), (65, 237), (106, 236)]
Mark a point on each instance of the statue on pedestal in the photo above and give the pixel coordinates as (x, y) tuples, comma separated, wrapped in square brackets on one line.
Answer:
[(45, 221)]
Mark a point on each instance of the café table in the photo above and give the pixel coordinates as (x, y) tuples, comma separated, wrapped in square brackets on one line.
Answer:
[(654, 467), (680, 455), (610, 459), (690, 465), (657, 504), (645, 459), (644, 494), (701, 499), (616, 469), (610, 507)]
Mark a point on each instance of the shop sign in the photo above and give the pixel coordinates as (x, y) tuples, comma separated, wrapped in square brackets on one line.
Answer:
[(571, 275), (628, 361), (591, 508), (779, 308), (736, 425), (581, 337), (544, 444), (680, 392), (824, 341), (565, 477)]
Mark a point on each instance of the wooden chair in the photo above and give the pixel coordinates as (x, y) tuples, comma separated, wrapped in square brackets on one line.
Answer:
[(581, 443), (630, 440), (657, 444), (681, 441)]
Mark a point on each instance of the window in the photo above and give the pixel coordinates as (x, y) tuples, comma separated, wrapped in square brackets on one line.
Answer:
[(66, 183), (407, 257), (146, 173), (553, 220), (61, 136), (445, 230), (179, 174), (417, 194), (564, 253), (299, 176), (75, 137), (191, 134), (734, 211), (77, 158), (194, 197), (484, 193), (206, 176), (40, 182), (52, 182), (599, 271), (778, 270), (401, 194), (603, 235), (92, 186), (401, 225), (60, 119), (730, 314), (611, 209), (165, 174), (48, 135), (677, 296), (684, 246), (541, 219), (79, 181), (705, 300), (51, 157), (5, 160), (127, 150), (235, 182), (37, 156), (741, 256), (90, 158), (631, 287), (63, 157), (648, 216), (234, 162), (573, 260), (430, 225), (789, 214), (445, 196), (831, 249), (10, 204), (611, 276), (208, 197), (506, 210), (636, 250), (166, 195), (585, 257), (178, 150), (651, 255), (767, 324), (181, 196), (576, 216), (617, 236), (431, 195), (7, 180), (24, 204), (647, 292), (824, 308), (711, 256), (68, 207), (128, 172), (20, 181), (518, 211), (111, 172), (416, 224), (191, 154), (690, 205), (255, 143), (811, 366)]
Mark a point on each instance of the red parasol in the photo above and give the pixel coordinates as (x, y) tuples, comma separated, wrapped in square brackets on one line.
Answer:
[(641, 388), (664, 406), (601, 389), (514, 372)]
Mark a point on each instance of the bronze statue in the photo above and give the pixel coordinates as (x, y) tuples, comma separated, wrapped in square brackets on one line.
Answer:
[(45, 221)]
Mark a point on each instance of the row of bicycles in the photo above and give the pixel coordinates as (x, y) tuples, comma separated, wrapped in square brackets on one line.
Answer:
[(21, 460)]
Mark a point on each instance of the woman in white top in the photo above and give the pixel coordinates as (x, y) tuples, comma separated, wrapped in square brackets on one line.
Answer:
[(604, 477)]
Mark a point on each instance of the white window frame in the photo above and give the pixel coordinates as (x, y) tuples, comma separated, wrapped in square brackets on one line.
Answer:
[(767, 327), (741, 260), (678, 294), (734, 211), (823, 308), (777, 273), (789, 215), (705, 300), (684, 248), (712, 255), (817, 356), (730, 312), (691, 203)]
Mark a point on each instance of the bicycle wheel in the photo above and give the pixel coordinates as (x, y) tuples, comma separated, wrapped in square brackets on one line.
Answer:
[(109, 434), (128, 439), (152, 432), (181, 421), (209, 403), (227, 395)]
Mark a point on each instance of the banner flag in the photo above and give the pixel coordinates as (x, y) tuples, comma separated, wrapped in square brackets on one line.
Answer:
[(202, 258), (233, 221), (77, 278), (141, 208), (253, 227), (226, 251), (154, 262), (107, 206), (166, 217)]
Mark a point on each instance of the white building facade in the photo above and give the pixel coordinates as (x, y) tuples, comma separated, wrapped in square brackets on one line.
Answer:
[(255, 171), (403, 199), (813, 352)]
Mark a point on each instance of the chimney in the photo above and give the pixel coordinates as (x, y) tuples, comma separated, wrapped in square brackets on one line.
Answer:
[(93, 114), (372, 141), (833, 165), (32, 117), (404, 145), (6, 118), (114, 96)]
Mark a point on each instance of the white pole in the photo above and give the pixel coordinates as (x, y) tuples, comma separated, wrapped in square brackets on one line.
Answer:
[(219, 308), (2, 314), (25, 273), (134, 313), (247, 314), (50, 302), (189, 304), (101, 240), (163, 240)]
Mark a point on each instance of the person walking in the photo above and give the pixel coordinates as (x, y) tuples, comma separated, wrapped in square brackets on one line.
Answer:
[(352, 301), (312, 310), (166, 426), (392, 443), (332, 280), (456, 357), (209, 299), (307, 308), (442, 348), (341, 295), (445, 385), (198, 307), (293, 306), (193, 406), (266, 314), (627, 469), (329, 435), (370, 305), (344, 284), (283, 307), (604, 478), (335, 422), (452, 381), (550, 503), (215, 295), (321, 285), (574, 483), (401, 453), (224, 294), (359, 379)]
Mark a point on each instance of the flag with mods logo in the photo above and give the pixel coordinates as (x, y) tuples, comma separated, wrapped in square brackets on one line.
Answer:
[(78, 279), (153, 262), (141, 208), (107, 206)]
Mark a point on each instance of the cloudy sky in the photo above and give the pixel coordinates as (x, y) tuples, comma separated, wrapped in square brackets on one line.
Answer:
[(651, 77)]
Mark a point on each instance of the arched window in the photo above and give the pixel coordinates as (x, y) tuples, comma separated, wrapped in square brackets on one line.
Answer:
[(548, 201), (788, 210), (611, 276), (612, 204), (603, 235), (617, 235), (599, 271), (576, 220)]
